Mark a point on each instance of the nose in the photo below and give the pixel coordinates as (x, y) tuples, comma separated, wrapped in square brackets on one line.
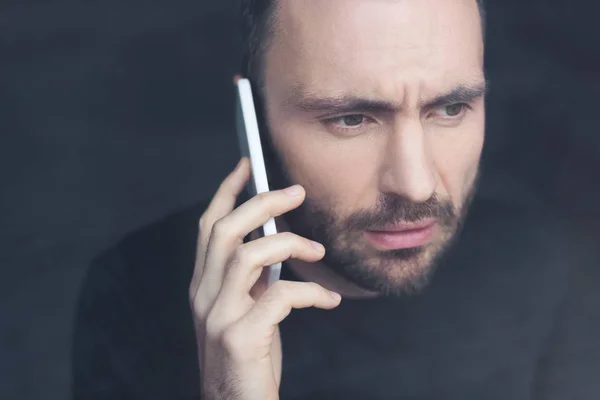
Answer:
[(408, 168)]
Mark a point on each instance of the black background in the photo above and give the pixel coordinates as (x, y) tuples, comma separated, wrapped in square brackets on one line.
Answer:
[(116, 113)]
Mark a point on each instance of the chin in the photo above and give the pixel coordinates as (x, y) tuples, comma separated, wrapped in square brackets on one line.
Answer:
[(391, 273)]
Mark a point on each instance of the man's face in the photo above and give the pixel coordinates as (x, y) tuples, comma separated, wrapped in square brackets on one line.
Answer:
[(376, 107)]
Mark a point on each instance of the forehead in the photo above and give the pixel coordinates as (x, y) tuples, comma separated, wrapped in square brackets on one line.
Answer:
[(375, 46)]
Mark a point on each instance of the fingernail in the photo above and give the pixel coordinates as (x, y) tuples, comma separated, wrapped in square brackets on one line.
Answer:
[(317, 245), (295, 190), (335, 295)]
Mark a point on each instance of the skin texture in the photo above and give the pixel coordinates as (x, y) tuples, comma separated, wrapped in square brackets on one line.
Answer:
[(403, 162), (393, 164)]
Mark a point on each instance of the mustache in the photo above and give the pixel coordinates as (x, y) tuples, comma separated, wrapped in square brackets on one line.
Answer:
[(393, 209)]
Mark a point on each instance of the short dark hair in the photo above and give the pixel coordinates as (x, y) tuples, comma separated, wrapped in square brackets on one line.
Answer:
[(258, 25)]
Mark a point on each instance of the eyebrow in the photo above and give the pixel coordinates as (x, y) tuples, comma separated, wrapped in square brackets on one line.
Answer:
[(353, 104), (460, 94)]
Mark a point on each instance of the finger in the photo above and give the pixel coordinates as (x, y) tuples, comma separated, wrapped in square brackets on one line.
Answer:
[(261, 285), (221, 204), (228, 233), (224, 199), (249, 260), (279, 300), (255, 212)]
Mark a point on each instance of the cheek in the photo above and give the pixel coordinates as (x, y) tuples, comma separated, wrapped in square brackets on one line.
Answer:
[(339, 173), (457, 158)]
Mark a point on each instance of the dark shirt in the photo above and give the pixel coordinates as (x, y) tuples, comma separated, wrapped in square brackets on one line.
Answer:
[(513, 312)]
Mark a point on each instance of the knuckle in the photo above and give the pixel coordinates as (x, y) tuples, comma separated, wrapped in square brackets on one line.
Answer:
[(223, 231), (220, 228), (289, 236), (211, 323), (198, 307), (262, 198), (315, 287), (292, 243), (280, 288), (205, 224), (232, 339), (265, 202), (202, 222), (295, 241)]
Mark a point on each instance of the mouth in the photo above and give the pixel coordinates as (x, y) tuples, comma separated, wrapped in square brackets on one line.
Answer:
[(402, 236)]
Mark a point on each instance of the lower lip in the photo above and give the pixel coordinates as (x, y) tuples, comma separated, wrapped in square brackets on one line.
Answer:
[(401, 240)]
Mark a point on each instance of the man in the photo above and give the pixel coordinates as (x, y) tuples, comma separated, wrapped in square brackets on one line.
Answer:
[(373, 115)]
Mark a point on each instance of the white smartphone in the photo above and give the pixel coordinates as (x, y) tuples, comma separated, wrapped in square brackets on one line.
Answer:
[(251, 147)]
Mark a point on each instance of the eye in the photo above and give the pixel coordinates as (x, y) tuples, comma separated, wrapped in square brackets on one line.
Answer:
[(452, 111), (348, 121)]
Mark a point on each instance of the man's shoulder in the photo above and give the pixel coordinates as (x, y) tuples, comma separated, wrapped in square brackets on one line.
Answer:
[(152, 262), (177, 229), (160, 249), (133, 330)]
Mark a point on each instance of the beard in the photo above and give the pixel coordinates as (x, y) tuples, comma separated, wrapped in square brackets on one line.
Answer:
[(387, 272), (349, 255)]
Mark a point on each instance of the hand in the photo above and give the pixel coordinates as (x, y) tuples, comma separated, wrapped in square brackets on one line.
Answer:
[(236, 316)]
